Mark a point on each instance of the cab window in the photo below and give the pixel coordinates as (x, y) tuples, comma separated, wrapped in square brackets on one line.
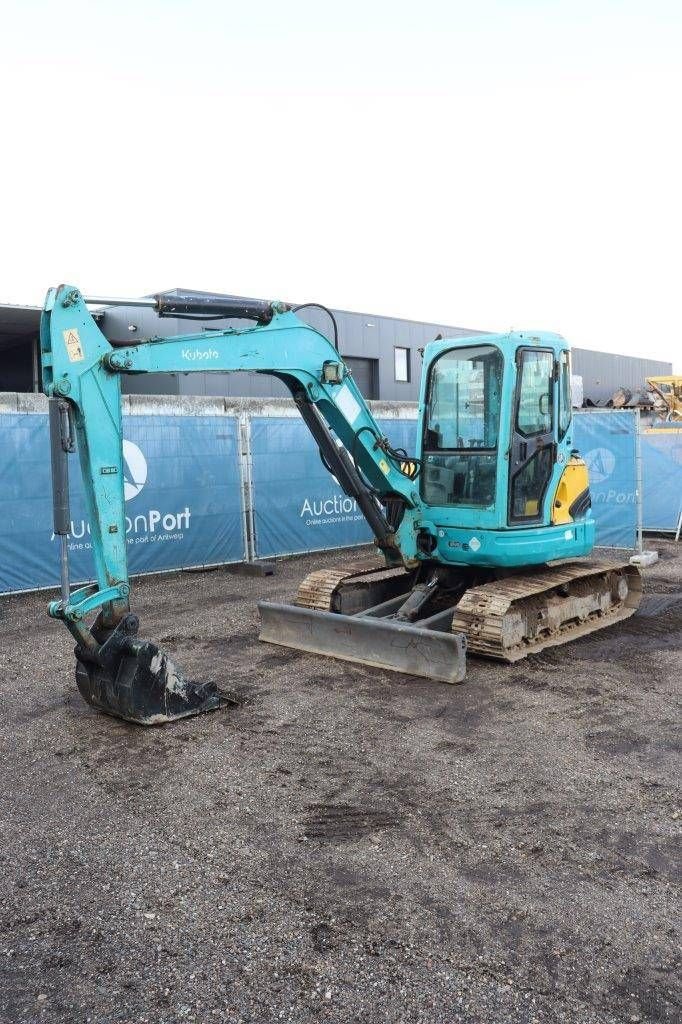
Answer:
[(534, 409), (462, 426), (463, 409)]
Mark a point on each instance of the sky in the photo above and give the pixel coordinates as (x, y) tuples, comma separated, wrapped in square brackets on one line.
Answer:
[(490, 164)]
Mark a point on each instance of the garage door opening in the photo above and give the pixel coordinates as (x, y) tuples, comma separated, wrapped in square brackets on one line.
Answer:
[(365, 374)]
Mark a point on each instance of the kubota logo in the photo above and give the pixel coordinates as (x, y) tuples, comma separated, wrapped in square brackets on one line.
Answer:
[(134, 470), (601, 463), (201, 354)]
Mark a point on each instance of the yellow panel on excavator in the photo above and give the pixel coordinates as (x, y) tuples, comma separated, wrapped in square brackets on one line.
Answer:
[(574, 482)]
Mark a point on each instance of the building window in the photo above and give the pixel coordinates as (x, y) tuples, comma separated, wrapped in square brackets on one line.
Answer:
[(401, 361)]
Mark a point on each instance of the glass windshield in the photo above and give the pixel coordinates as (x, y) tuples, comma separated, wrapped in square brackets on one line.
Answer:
[(534, 413), (463, 409), (462, 427)]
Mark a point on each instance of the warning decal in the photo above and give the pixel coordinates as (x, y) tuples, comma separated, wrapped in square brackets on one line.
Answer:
[(74, 349), (347, 403)]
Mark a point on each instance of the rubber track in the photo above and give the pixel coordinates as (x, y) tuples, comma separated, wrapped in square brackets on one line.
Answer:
[(317, 589), (481, 612)]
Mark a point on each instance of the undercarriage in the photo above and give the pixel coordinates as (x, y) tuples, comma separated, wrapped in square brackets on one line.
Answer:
[(424, 621)]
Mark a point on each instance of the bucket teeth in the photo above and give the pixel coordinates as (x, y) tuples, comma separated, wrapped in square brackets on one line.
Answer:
[(135, 680)]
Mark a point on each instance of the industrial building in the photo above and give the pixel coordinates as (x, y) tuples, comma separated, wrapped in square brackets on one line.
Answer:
[(383, 353)]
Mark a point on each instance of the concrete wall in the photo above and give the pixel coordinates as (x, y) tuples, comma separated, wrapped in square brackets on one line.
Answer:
[(188, 405)]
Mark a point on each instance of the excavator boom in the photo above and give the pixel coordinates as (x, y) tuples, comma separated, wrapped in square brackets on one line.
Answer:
[(118, 672)]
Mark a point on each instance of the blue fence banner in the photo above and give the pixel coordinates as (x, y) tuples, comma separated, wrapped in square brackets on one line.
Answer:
[(608, 443), (662, 477), (182, 492), (297, 505)]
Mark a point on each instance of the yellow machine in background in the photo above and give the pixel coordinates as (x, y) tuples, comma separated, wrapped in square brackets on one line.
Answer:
[(668, 396)]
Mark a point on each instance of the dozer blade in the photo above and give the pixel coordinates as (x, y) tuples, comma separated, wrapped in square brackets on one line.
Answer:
[(383, 643), (135, 680)]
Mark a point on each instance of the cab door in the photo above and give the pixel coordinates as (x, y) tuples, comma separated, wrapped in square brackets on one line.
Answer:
[(533, 436)]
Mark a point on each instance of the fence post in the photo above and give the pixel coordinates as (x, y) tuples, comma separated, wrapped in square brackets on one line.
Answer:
[(246, 485), (638, 480)]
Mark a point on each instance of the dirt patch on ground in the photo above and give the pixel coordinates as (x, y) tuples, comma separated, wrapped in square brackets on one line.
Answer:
[(342, 843)]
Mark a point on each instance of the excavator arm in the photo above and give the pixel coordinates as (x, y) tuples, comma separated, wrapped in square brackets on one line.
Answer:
[(82, 371)]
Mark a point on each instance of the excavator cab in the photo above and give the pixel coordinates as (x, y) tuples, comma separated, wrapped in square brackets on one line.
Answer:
[(503, 497), (501, 481)]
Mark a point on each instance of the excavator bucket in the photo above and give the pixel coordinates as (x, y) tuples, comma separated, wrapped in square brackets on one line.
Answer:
[(366, 639), (135, 680)]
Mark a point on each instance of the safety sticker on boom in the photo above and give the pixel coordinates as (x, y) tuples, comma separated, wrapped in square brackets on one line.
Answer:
[(74, 349), (346, 402)]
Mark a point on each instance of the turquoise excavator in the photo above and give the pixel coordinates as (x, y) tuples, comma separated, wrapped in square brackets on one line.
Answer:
[(481, 534)]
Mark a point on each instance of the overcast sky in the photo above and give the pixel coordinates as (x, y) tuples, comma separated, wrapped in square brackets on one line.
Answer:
[(485, 163)]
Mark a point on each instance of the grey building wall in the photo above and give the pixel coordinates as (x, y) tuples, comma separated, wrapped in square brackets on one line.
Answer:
[(375, 337), (604, 372), (362, 336)]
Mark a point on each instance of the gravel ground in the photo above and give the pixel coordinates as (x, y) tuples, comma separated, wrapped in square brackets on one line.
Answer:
[(346, 844)]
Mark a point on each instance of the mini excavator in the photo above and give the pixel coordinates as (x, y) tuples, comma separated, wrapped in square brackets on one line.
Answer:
[(481, 536)]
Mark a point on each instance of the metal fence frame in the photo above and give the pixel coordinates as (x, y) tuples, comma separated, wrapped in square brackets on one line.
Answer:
[(639, 483)]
